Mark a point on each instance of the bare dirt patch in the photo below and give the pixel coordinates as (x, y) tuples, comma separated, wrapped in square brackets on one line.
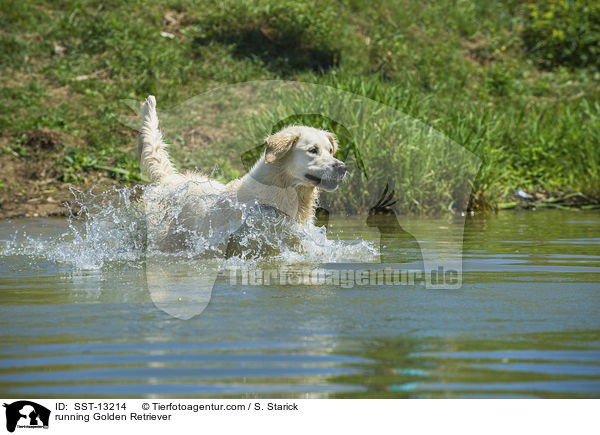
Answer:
[(30, 180)]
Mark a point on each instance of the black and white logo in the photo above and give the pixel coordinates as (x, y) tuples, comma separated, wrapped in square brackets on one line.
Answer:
[(26, 414)]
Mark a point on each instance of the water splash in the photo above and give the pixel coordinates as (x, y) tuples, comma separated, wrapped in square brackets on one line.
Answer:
[(114, 227)]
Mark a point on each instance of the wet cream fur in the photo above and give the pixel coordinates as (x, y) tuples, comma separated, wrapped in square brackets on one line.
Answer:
[(278, 179)]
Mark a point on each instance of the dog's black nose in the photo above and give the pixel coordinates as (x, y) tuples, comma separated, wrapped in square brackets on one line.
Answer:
[(340, 168)]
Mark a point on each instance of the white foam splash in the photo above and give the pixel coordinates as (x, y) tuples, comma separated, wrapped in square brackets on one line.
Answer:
[(111, 227)]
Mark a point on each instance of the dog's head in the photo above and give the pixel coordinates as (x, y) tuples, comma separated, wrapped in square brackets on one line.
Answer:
[(306, 155)]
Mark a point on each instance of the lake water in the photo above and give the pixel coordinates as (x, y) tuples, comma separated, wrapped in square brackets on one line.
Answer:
[(83, 315)]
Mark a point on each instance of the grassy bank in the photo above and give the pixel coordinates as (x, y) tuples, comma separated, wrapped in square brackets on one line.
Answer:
[(495, 77)]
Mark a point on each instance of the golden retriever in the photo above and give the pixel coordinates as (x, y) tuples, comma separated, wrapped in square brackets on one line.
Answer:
[(297, 162)]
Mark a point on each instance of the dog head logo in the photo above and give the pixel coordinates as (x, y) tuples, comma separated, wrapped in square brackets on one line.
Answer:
[(393, 164), (26, 414)]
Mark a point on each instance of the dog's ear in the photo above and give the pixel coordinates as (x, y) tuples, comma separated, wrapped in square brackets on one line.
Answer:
[(278, 145), (333, 141)]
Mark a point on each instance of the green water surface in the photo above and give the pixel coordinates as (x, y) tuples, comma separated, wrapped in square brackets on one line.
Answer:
[(524, 323)]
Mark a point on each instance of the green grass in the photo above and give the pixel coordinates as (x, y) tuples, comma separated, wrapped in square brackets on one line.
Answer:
[(461, 67)]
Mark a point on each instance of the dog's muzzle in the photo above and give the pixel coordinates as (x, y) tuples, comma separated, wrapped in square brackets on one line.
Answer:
[(340, 169), (331, 181)]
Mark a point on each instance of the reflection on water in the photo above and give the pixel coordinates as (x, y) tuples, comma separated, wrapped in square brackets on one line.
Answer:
[(525, 323), (441, 368)]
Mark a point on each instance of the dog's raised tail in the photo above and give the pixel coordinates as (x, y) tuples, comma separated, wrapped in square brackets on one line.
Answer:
[(152, 152)]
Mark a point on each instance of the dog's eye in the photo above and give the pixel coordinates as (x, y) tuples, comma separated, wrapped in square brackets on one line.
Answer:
[(314, 150)]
